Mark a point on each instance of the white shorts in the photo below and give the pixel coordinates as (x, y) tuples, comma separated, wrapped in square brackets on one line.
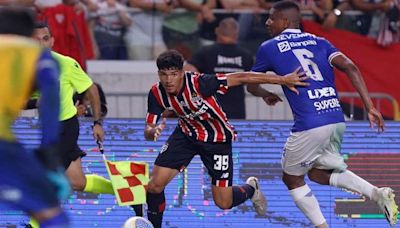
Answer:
[(315, 148)]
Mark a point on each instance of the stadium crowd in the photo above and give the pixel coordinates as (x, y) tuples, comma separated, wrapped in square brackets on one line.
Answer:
[(142, 29)]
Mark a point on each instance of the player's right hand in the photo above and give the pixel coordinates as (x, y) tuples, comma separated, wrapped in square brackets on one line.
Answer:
[(296, 78), (159, 128)]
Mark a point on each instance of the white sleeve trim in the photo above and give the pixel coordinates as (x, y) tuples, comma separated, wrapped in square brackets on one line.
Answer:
[(332, 56)]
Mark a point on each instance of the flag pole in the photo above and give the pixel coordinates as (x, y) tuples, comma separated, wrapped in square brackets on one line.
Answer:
[(101, 149)]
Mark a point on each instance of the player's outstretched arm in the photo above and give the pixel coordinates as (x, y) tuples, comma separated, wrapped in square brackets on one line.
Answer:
[(296, 78), (343, 63)]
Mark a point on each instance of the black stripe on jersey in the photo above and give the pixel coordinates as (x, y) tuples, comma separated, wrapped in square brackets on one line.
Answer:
[(215, 125), (164, 97)]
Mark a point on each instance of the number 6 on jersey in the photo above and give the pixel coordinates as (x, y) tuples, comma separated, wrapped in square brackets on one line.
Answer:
[(311, 68)]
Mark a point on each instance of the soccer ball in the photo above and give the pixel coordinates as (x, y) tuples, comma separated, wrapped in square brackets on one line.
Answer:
[(137, 222)]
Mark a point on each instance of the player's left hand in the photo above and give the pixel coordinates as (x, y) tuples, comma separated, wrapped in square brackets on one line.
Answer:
[(81, 109), (375, 118), (272, 99), (98, 132)]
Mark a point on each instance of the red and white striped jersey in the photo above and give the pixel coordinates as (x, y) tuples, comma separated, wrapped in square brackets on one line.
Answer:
[(200, 115)]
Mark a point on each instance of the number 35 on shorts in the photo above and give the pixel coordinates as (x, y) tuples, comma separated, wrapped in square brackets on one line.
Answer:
[(221, 162)]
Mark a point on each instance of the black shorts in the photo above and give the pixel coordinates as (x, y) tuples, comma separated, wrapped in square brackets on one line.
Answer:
[(179, 150), (70, 150)]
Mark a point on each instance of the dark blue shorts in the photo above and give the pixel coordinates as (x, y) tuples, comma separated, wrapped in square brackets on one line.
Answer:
[(23, 182), (179, 150)]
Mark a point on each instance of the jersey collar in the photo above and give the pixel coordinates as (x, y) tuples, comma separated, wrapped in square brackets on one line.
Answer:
[(291, 31)]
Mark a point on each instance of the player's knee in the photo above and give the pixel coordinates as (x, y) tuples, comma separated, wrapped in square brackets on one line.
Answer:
[(312, 175), (223, 204), (319, 176), (293, 182), (154, 187), (78, 184)]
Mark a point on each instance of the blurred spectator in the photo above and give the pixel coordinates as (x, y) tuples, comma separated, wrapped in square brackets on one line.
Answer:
[(326, 12), (267, 4), (17, 2), (252, 8), (207, 29), (112, 19), (144, 37), (382, 19), (78, 5), (70, 29), (374, 12), (251, 16), (181, 29), (226, 56), (46, 3), (389, 31)]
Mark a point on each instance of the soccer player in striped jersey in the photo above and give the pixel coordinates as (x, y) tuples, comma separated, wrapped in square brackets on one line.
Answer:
[(29, 181), (313, 148), (202, 129)]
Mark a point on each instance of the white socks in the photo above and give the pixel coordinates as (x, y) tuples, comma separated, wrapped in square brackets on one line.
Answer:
[(350, 181), (308, 204)]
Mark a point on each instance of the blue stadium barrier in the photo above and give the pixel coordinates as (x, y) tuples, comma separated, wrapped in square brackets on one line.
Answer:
[(257, 152)]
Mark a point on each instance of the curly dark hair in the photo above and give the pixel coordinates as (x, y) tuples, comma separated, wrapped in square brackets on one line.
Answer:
[(170, 59)]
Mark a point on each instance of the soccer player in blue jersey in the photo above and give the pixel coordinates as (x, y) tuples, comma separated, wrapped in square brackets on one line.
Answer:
[(313, 147), (202, 129), (31, 182)]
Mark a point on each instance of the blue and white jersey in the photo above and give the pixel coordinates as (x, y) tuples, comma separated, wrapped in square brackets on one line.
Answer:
[(317, 104)]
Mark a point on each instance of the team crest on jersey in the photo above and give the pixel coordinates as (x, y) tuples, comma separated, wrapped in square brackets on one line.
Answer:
[(196, 99), (284, 46), (60, 18), (183, 103), (164, 148)]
